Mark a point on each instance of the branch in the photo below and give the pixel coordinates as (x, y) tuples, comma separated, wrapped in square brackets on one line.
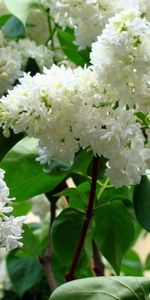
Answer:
[(86, 222)]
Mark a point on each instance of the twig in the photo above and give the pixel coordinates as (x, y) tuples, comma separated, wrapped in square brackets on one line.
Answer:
[(86, 222)]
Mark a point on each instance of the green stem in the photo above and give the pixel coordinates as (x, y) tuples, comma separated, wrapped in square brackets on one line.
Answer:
[(51, 31), (102, 189)]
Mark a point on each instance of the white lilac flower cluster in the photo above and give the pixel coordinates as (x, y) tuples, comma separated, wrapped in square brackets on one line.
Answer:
[(10, 227), (121, 59), (79, 15), (89, 17), (14, 56), (92, 108)]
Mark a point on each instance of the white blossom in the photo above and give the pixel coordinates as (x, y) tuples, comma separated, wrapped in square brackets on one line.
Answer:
[(10, 227), (115, 135), (10, 68), (11, 232), (86, 17), (44, 106), (65, 110), (121, 59), (13, 59), (29, 49)]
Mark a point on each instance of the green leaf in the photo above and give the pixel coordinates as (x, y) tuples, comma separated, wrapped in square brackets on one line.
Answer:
[(114, 232), (104, 288), (14, 28), (23, 272), (58, 269), (112, 193), (131, 264), (143, 119), (141, 200), (65, 234), (82, 162), (8, 143), (78, 196), (66, 39), (24, 175), (21, 208), (21, 9), (30, 242), (4, 19)]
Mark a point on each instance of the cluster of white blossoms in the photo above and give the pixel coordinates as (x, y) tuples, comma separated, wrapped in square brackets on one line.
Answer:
[(14, 56), (121, 59), (94, 108), (89, 17), (79, 15), (28, 49), (63, 109), (10, 227)]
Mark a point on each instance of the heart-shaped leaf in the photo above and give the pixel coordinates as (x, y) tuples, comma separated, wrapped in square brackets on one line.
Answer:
[(114, 232)]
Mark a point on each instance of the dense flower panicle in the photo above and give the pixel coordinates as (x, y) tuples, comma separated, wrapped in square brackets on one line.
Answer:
[(29, 49), (64, 109), (10, 227), (123, 49), (80, 15), (10, 68), (93, 15), (11, 232), (92, 108), (115, 135), (143, 6), (45, 106), (14, 56)]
